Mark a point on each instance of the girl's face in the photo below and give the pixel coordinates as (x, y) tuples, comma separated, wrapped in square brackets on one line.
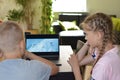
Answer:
[(93, 37)]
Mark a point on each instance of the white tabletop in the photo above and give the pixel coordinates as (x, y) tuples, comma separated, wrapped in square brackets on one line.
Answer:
[(65, 51)]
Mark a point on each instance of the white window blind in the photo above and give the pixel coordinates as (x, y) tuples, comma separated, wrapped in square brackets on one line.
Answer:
[(69, 6)]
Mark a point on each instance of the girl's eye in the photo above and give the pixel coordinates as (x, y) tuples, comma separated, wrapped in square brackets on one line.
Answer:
[(84, 33)]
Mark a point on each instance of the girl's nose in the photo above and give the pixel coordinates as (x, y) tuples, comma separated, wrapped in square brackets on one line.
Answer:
[(85, 37)]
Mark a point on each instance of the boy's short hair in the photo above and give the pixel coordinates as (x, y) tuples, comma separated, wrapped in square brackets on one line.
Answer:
[(10, 36)]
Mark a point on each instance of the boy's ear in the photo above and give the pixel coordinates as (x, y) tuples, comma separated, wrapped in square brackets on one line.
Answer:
[(22, 44)]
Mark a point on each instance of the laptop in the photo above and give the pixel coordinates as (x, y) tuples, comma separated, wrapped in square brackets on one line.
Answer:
[(44, 45)]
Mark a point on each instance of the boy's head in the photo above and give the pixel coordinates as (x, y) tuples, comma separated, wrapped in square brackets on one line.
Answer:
[(11, 35)]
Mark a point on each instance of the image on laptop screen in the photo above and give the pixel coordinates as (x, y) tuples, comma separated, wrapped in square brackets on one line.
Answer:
[(46, 45), (42, 45)]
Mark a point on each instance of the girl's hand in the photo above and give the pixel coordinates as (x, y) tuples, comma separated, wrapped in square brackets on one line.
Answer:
[(73, 61)]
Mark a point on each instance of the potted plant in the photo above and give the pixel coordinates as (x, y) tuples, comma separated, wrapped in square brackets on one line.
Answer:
[(15, 15), (24, 14), (27, 11)]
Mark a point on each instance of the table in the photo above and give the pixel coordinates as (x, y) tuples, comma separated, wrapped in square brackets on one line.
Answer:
[(65, 72)]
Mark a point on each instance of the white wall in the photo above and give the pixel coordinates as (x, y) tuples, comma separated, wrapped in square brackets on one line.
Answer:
[(4, 8), (107, 6)]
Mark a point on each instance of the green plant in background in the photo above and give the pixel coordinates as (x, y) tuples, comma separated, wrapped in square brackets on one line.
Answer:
[(47, 16), (24, 14), (28, 12), (15, 15)]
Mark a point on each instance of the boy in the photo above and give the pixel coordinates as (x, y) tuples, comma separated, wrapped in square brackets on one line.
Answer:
[(12, 50)]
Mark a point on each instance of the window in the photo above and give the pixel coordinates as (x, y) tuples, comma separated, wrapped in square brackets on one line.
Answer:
[(69, 6)]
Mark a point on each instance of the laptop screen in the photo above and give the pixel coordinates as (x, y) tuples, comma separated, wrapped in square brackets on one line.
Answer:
[(43, 44)]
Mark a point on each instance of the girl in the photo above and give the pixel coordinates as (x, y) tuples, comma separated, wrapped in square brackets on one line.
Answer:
[(99, 35)]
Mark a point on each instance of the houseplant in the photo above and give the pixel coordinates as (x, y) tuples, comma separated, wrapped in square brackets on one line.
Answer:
[(25, 13), (46, 17), (15, 15)]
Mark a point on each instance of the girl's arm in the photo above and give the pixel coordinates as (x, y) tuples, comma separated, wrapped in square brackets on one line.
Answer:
[(73, 61), (83, 51), (86, 60), (82, 55)]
